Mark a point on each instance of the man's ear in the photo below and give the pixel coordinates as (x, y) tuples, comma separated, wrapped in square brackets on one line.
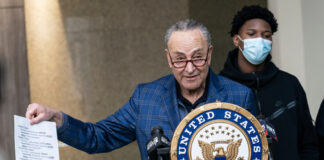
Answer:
[(236, 40), (210, 52), (167, 53)]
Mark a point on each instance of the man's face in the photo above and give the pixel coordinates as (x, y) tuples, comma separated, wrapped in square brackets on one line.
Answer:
[(189, 45)]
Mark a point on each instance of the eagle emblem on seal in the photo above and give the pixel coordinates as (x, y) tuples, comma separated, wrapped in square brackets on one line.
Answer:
[(208, 150)]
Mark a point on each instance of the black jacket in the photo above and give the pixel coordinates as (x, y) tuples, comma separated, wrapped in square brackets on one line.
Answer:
[(281, 99), (320, 129)]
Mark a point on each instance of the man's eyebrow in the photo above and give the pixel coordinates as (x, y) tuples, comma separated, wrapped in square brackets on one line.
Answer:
[(252, 29), (179, 53), (197, 50)]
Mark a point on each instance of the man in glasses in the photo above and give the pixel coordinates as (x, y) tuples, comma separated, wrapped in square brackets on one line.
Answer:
[(163, 102)]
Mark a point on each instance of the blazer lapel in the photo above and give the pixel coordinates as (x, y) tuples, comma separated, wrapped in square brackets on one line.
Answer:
[(169, 97), (170, 105), (215, 90)]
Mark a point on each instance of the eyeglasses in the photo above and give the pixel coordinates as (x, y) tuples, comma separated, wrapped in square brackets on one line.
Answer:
[(197, 62)]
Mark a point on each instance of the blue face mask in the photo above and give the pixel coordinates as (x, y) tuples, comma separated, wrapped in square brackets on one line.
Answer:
[(256, 50)]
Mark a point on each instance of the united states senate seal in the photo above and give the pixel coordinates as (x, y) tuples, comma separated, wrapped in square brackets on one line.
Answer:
[(219, 131)]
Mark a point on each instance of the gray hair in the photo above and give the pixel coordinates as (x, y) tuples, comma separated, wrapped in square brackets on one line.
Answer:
[(186, 25)]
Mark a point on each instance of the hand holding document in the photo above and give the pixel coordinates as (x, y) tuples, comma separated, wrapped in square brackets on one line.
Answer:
[(35, 142)]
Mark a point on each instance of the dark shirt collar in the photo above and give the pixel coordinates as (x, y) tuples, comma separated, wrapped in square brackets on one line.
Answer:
[(189, 106)]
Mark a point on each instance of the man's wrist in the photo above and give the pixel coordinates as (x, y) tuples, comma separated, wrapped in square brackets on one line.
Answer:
[(58, 118)]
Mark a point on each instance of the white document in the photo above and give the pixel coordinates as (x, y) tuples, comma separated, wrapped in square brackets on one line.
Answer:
[(35, 142)]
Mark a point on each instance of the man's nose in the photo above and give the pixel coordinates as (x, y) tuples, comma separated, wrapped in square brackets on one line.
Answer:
[(190, 67)]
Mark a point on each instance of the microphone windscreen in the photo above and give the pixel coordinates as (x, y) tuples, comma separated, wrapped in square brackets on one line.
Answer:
[(268, 129), (158, 140), (156, 130)]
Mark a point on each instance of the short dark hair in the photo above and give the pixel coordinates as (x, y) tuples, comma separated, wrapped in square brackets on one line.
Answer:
[(252, 12)]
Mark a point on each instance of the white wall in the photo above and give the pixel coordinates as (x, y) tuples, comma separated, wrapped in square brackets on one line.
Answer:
[(297, 45), (313, 21)]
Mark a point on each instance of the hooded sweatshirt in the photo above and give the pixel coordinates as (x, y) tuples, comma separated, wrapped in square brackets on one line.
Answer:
[(319, 126), (281, 100)]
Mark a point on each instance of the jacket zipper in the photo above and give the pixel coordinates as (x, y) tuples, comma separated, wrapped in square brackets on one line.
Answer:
[(258, 103)]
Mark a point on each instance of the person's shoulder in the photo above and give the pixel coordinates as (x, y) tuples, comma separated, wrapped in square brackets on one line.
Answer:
[(228, 82), (287, 78), (157, 84), (231, 85), (148, 90), (286, 75)]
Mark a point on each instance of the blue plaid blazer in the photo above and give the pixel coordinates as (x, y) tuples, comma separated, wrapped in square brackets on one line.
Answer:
[(151, 104)]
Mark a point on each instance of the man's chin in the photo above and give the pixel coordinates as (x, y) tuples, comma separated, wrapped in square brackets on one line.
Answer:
[(191, 87)]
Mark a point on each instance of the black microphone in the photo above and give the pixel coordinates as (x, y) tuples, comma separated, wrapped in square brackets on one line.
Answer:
[(268, 129), (271, 135), (158, 147)]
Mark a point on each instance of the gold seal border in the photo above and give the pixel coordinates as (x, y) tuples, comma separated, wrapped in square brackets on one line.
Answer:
[(218, 105)]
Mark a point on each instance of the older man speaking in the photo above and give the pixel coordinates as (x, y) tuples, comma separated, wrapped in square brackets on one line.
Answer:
[(163, 102)]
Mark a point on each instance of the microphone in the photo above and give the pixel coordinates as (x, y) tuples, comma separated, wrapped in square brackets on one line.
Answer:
[(271, 135), (158, 147), (268, 129)]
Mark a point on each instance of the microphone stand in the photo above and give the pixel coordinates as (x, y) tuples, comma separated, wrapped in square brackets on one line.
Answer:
[(163, 153), (270, 139), (270, 142)]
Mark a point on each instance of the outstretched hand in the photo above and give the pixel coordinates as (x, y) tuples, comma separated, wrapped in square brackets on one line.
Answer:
[(37, 113)]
